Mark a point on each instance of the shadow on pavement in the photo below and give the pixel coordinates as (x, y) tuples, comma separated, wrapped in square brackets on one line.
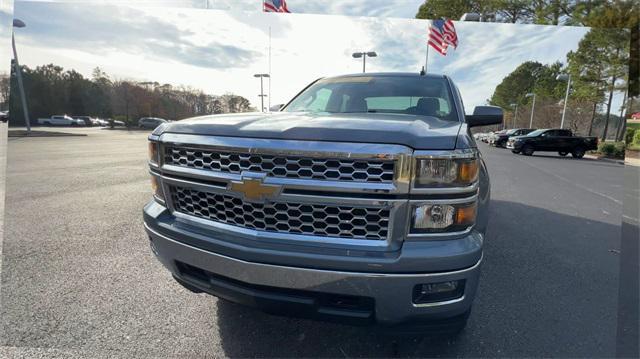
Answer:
[(541, 294)]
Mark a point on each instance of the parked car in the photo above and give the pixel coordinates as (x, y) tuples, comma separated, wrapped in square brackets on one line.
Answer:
[(501, 138), (87, 120), (151, 122), (552, 140), (494, 136), (115, 123), (379, 219), (60, 120), (4, 116), (101, 122)]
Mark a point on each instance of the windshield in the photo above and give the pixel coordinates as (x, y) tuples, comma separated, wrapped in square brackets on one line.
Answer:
[(535, 133), (512, 131), (408, 95)]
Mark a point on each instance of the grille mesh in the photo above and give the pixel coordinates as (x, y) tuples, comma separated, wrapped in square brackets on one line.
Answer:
[(355, 170), (296, 218)]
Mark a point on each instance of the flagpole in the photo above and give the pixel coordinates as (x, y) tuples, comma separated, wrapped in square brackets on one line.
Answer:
[(269, 100)]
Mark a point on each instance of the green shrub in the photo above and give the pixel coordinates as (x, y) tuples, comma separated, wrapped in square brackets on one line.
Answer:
[(628, 135), (619, 149), (606, 148), (612, 149), (636, 138)]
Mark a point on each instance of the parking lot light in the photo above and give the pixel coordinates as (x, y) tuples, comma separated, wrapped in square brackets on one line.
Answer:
[(533, 107), (17, 23), (357, 55), (262, 95), (564, 77)]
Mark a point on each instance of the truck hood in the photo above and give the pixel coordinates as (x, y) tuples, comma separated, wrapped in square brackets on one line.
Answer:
[(418, 132)]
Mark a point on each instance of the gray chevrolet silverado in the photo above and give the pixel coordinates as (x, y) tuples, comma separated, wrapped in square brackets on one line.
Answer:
[(363, 200)]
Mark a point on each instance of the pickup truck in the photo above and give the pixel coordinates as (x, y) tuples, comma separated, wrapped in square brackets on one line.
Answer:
[(501, 138), (363, 200), (552, 140), (61, 120)]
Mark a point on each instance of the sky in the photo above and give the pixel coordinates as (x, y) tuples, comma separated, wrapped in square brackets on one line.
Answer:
[(386, 8), (219, 51), (6, 19)]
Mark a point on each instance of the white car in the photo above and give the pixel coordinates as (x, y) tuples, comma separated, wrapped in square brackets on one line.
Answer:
[(101, 122), (60, 120)]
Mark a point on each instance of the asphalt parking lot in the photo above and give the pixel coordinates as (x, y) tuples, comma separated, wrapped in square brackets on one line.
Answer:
[(79, 279)]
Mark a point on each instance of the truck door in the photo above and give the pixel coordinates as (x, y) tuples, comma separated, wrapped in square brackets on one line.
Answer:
[(546, 142), (564, 140)]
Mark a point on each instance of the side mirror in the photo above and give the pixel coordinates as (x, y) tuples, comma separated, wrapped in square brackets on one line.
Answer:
[(484, 116), (276, 108)]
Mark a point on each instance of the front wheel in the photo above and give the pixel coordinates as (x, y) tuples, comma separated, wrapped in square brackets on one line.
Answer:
[(563, 153), (527, 150), (515, 151), (578, 152)]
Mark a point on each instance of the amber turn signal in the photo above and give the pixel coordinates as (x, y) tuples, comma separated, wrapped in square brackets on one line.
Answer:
[(153, 152), (465, 216)]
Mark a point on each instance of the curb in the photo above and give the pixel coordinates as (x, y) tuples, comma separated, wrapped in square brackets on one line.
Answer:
[(25, 134), (610, 160)]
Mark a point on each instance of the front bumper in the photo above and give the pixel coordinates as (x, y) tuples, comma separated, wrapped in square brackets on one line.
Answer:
[(371, 297), (514, 146)]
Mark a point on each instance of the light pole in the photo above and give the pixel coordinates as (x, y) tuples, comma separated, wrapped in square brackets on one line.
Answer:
[(262, 95), (19, 24), (533, 107), (357, 55), (564, 77), (515, 114)]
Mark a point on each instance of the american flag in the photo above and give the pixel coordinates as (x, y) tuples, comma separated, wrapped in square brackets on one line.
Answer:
[(275, 6), (442, 34)]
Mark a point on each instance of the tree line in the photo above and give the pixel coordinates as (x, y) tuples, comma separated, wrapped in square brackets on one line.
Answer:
[(622, 17), (598, 69), (52, 90)]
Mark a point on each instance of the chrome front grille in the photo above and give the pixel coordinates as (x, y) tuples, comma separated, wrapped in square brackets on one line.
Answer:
[(348, 221), (283, 166)]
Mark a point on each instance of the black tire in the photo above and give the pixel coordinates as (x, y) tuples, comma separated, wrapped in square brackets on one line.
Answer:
[(563, 153), (515, 151), (578, 152), (527, 150)]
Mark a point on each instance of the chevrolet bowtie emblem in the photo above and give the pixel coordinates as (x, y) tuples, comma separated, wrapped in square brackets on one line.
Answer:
[(253, 189)]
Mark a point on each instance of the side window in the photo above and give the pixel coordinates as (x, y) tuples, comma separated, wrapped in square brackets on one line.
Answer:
[(321, 100), (564, 133)]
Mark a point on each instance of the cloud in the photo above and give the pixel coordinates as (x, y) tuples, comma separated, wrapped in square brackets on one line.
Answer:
[(101, 29), (219, 51), (384, 8)]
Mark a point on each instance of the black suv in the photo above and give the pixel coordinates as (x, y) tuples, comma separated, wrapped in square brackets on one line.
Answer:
[(502, 138)]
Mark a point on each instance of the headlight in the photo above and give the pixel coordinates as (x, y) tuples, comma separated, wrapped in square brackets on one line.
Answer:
[(443, 217), (153, 152), (449, 171)]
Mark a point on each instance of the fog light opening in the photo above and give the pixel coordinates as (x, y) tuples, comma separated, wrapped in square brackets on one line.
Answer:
[(438, 292)]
